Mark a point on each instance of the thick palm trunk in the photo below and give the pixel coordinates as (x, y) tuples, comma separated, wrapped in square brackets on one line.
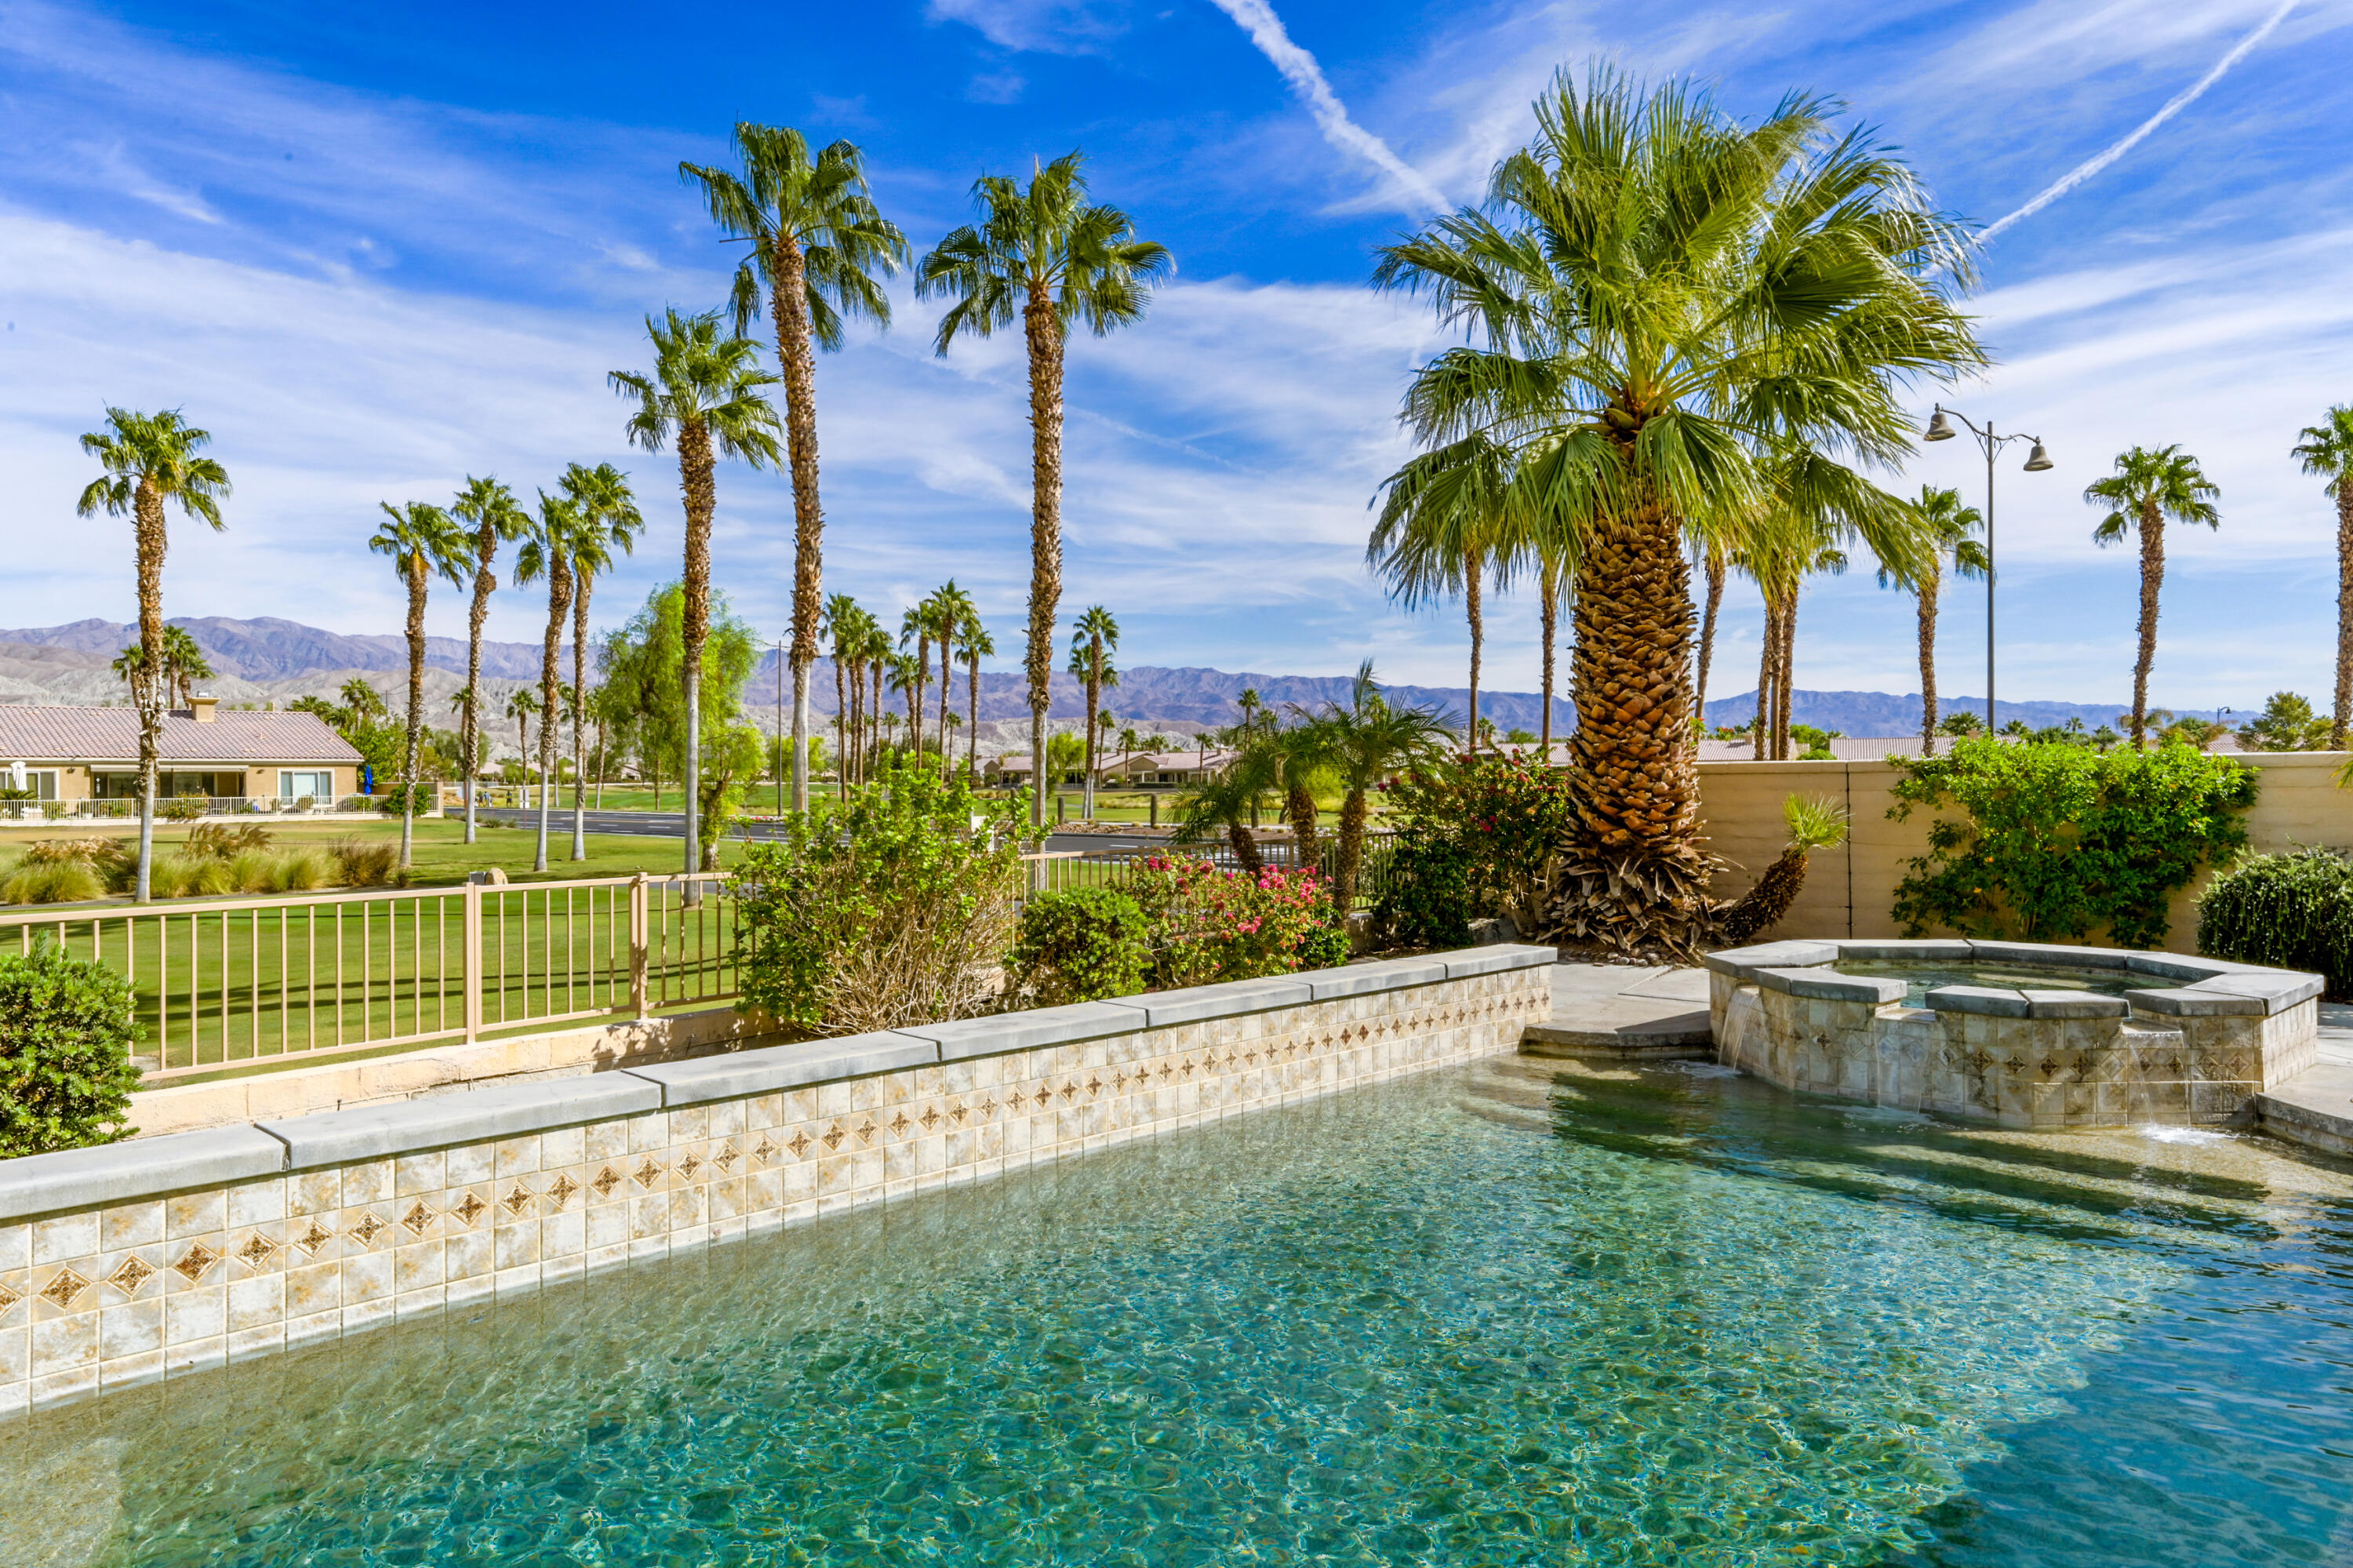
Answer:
[(551, 705), (1928, 586), (695, 464), (1043, 329), (1714, 564), (1299, 809), (2152, 575), (2343, 712), (582, 584), (147, 689), (1760, 727), (416, 583), (1471, 575), (841, 731), (1245, 848), (1550, 592), (486, 583), (972, 723), (1785, 667), (1634, 877), (1355, 810), (788, 303)]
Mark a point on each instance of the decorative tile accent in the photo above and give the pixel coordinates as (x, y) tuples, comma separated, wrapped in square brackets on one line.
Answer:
[(956, 1113), (988, 1106), (765, 1153), (606, 1179), (60, 1292), (1018, 1099), (866, 1133), (728, 1156), (368, 1229), (560, 1193), (418, 1220), (648, 1172), (931, 1113), (195, 1263), (131, 1273), (899, 1124), (256, 1252), (690, 1165), (799, 1146), (516, 1202), (472, 1209), (833, 1136), (8, 1297), (317, 1236)]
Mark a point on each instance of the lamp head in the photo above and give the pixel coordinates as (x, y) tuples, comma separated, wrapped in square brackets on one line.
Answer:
[(1939, 428), (2038, 459)]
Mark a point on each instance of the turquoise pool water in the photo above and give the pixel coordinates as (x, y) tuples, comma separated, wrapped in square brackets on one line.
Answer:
[(1501, 1315), (1919, 977)]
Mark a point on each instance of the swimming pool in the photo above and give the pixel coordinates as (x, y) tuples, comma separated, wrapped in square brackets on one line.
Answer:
[(1508, 1313)]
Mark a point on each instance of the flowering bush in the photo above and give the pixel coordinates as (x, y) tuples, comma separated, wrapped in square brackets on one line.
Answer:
[(1475, 837), (1210, 924)]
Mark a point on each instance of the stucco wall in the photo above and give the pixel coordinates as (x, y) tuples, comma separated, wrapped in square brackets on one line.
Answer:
[(1849, 891)]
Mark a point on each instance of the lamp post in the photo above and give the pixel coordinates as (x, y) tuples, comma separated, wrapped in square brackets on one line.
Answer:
[(2037, 461)]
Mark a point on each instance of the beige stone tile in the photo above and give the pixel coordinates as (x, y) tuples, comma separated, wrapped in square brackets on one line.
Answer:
[(55, 1388), (65, 1237)]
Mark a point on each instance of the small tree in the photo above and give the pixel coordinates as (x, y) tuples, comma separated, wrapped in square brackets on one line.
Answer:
[(2287, 724), (66, 1026)]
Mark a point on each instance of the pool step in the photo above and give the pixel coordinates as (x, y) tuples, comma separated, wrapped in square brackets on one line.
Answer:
[(1623, 1013)]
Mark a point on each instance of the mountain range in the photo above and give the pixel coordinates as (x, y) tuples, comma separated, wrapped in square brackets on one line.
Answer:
[(268, 659)]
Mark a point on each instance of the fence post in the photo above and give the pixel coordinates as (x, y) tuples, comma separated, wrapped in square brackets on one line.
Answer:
[(472, 946), (640, 932)]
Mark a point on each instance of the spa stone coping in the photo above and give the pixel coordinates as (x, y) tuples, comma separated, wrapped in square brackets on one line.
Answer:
[(2219, 988), (75, 1179)]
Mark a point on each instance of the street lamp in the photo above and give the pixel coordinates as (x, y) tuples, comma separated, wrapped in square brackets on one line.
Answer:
[(1941, 429)]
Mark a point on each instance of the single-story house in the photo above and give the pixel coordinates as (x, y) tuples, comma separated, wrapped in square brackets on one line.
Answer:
[(88, 753), (1165, 769)]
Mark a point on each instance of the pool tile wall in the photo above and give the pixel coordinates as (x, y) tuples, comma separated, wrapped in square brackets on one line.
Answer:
[(169, 1255)]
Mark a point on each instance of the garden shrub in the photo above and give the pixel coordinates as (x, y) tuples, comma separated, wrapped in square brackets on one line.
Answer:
[(1080, 946), (894, 908), (2053, 842), (66, 1032), (1210, 924), (366, 862), (2293, 910), (59, 882), (1476, 838), (220, 841), (186, 809)]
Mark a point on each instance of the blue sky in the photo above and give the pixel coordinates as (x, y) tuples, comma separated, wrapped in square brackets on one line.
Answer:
[(375, 249)]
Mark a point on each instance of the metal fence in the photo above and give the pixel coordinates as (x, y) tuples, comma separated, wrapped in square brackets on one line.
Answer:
[(1108, 868), (260, 980), (120, 810)]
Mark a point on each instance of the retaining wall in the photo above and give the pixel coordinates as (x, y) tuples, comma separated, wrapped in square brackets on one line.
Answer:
[(164, 1256), (1849, 891)]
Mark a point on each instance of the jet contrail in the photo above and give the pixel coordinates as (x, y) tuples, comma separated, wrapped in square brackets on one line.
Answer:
[(1257, 18), (2180, 100)]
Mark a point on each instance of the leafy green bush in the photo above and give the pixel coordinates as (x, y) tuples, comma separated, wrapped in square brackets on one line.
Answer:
[(66, 1032), (1475, 837), (2059, 842), (186, 809), (1210, 924), (1080, 946), (1431, 894), (2293, 910), (892, 910)]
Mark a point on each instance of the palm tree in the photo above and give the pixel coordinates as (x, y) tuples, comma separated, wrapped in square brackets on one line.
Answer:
[(1250, 701), (707, 392), (1783, 550), (2327, 451), (185, 664), (547, 554), (1370, 741), (877, 655), (149, 459), (2147, 488), (606, 512), (974, 637), (490, 509), (1951, 529), (422, 539), (816, 241), (916, 627), (1448, 515), (1229, 799), (1662, 301), (1049, 257), (949, 607), (841, 613), (521, 707), (1094, 636), (1711, 564), (362, 701), (905, 675), (1303, 751)]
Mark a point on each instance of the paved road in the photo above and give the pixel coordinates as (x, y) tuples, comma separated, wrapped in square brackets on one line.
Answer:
[(672, 824)]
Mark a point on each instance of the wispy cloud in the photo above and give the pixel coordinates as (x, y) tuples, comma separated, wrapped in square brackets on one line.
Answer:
[(1257, 18)]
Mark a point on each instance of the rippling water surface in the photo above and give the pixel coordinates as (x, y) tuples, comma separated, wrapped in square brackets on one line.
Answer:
[(1504, 1314)]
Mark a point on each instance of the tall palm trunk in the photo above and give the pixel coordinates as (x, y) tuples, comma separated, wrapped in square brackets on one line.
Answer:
[(1299, 808), (1094, 697), (1471, 575), (1355, 810), (1550, 592), (1634, 878), (1714, 569), (1928, 586), (874, 719), (1761, 727), (2343, 712), (1785, 674), (923, 671), (1043, 332), (696, 482), (486, 583), (788, 304), (416, 582), (550, 707), (2152, 575), (947, 695), (841, 732), (972, 725), (583, 583), (147, 688)]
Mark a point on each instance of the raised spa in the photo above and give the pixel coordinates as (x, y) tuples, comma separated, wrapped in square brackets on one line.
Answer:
[(2020, 1033)]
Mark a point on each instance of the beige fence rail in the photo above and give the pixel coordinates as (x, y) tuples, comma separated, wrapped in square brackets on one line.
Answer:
[(254, 981)]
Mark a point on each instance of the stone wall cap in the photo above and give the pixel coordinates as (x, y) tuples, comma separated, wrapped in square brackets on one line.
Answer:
[(1497, 959), (439, 1121), (1744, 961), (2190, 1002), (740, 1075), (1002, 1032), (1230, 999), (2074, 1004), (139, 1168), (1363, 980), (2278, 989), (1993, 1000), (1829, 985), (2053, 953), (1904, 947)]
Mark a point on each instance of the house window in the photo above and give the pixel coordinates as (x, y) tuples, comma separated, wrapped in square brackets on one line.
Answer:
[(42, 782), (293, 785)]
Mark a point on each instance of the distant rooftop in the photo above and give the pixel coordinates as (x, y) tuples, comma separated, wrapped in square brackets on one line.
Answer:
[(109, 737)]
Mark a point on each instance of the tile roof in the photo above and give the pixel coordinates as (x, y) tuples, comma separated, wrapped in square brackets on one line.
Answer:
[(108, 736)]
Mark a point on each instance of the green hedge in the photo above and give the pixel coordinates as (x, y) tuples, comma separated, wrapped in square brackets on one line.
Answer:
[(1080, 946), (2293, 910), (66, 1032)]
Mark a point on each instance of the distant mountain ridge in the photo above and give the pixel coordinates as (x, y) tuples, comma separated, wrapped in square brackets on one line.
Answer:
[(270, 658)]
